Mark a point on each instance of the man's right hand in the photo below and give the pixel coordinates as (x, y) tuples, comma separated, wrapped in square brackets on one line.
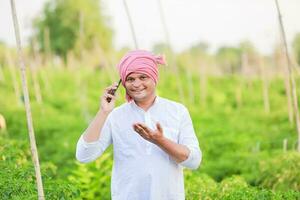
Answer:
[(107, 106)]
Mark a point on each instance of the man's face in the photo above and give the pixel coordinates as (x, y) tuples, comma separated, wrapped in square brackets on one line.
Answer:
[(139, 86)]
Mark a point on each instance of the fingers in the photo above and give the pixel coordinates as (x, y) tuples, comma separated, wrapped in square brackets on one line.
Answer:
[(109, 92), (110, 88), (107, 95), (159, 128), (113, 86), (144, 127), (139, 129)]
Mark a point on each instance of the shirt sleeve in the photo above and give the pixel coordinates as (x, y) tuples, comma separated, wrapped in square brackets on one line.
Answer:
[(90, 151), (188, 138)]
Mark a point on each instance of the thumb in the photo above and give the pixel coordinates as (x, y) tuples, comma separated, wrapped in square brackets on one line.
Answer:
[(159, 128)]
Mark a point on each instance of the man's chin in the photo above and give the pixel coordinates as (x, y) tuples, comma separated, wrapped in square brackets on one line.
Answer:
[(139, 97)]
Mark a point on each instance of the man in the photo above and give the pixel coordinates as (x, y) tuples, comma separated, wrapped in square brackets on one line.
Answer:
[(153, 138)]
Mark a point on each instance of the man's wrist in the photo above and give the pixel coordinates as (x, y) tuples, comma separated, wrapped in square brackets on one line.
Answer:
[(104, 112), (161, 141)]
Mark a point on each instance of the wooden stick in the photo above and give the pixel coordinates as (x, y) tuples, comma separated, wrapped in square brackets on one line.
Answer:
[(12, 71), (203, 83), (2, 123), (190, 85), (239, 94), (47, 46), (1, 74), (36, 84), (287, 86), (172, 59), (285, 141), (131, 25), (37, 60), (291, 75), (265, 85), (104, 58), (27, 105), (164, 24)]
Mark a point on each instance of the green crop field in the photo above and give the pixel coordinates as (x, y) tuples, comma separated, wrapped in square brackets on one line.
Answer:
[(244, 156)]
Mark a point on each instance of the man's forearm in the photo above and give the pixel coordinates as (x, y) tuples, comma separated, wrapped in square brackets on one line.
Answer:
[(93, 131), (177, 151)]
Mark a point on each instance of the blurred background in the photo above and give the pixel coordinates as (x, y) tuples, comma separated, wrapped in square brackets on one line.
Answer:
[(227, 63)]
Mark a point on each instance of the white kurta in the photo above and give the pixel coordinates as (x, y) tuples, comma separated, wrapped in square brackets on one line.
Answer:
[(141, 170)]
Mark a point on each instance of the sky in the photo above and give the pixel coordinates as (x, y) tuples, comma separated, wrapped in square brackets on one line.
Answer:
[(216, 22)]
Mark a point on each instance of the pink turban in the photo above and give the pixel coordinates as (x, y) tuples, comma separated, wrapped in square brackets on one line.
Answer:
[(139, 61)]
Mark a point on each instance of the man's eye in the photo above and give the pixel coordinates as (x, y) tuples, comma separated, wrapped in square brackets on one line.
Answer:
[(143, 77), (130, 79)]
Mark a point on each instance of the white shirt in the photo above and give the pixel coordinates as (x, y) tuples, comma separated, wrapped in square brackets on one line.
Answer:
[(142, 170)]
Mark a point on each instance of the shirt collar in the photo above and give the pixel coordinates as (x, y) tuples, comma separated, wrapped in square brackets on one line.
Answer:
[(136, 107)]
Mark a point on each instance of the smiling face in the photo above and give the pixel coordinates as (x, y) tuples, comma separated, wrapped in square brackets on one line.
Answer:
[(140, 87)]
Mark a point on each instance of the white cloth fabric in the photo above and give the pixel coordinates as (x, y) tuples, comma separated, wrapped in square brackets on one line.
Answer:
[(142, 170)]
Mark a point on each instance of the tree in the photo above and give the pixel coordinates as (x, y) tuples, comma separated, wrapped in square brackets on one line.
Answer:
[(229, 58), (72, 25)]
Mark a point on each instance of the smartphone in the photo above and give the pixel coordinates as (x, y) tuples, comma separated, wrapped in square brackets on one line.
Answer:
[(113, 91)]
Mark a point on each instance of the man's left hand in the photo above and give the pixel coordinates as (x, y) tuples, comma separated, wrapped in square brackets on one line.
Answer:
[(148, 134)]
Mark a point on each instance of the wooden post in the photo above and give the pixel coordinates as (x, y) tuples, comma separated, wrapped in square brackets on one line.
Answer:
[(285, 141), (34, 151), (287, 86), (2, 123), (203, 83), (239, 95), (190, 85), (258, 146), (291, 75), (172, 57), (1, 74), (131, 24), (38, 70), (265, 87), (47, 46), (12, 71), (36, 85)]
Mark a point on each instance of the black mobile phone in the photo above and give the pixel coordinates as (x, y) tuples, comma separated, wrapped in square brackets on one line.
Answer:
[(113, 91)]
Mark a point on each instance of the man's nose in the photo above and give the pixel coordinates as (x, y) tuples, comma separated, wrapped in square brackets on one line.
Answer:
[(136, 83)]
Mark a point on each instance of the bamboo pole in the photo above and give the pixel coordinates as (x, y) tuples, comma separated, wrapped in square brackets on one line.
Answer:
[(291, 75), (285, 142), (40, 70), (36, 85), (203, 83), (239, 95), (103, 58), (245, 70), (81, 34), (164, 24), (27, 105), (287, 86), (45, 79), (2, 123), (172, 59), (190, 86), (242, 83), (12, 71), (47, 46), (1, 74), (265, 85), (131, 25), (33, 69), (82, 85)]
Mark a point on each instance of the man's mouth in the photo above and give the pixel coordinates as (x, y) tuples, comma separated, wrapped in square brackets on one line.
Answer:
[(137, 90)]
